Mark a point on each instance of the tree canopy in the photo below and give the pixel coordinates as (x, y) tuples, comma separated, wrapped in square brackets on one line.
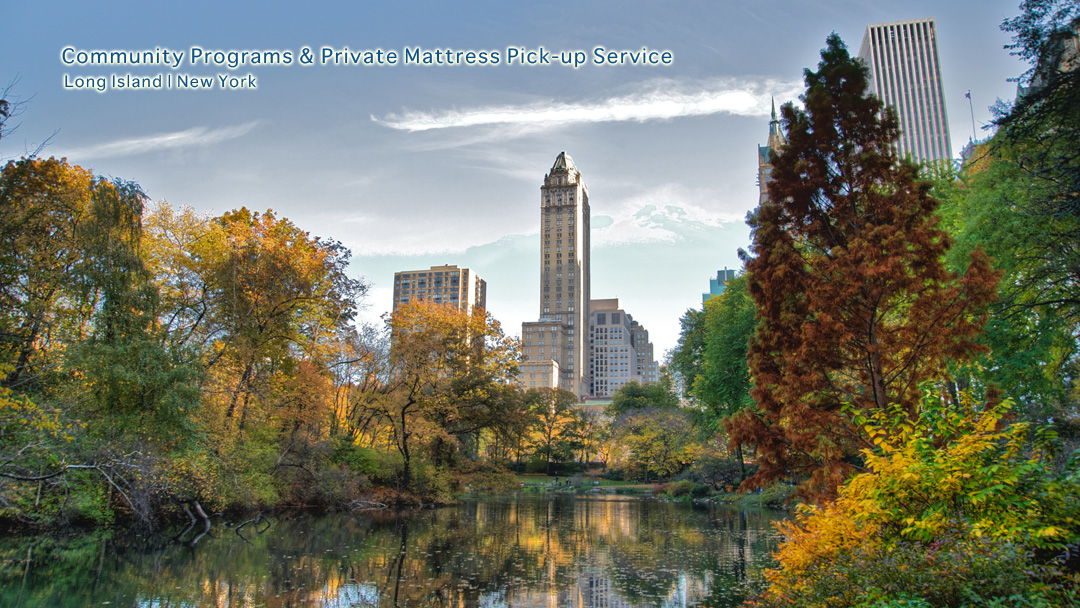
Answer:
[(856, 307)]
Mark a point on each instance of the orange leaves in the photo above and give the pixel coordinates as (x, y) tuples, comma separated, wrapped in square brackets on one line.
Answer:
[(855, 305)]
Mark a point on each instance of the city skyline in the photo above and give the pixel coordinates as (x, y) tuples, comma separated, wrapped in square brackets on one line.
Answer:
[(413, 166)]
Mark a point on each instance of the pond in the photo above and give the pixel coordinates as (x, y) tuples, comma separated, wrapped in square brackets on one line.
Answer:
[(529, 551)]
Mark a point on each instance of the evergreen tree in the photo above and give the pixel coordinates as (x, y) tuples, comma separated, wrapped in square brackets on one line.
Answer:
[(855, 305)]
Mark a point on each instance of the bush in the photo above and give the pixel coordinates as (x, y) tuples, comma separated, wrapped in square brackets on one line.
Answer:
[(612, 475), (776, 496), (955, 508), (684, 488), (718, 470), (483, 476)]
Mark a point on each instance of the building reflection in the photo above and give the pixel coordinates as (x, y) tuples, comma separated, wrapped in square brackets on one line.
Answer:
[(525, 552)]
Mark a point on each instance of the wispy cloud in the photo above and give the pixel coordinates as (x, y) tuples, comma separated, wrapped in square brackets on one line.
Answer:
[(661, 100), (668, 213), (197, 136)]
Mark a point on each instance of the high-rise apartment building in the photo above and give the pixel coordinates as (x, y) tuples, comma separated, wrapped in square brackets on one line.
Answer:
[(620, 349), (561, 349), (905, 74), (561, 334), (450, 285)]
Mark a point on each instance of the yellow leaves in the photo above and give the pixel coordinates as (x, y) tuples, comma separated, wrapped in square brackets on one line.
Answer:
[(982, 480), (1050, 532)]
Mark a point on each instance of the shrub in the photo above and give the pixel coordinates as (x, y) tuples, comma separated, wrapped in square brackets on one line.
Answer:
[(718, 470), (681, 489), (954, 508)]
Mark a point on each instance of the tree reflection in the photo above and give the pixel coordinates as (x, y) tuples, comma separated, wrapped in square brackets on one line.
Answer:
[(512, 552)]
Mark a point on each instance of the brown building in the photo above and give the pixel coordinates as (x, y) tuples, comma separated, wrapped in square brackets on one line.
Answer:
[(560, 335)]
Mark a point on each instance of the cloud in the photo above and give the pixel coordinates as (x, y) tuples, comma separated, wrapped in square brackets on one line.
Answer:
[(660, 100), (197, 136), (665, 214)]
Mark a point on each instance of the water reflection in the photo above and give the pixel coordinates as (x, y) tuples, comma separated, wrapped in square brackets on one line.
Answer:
[(527, 552)]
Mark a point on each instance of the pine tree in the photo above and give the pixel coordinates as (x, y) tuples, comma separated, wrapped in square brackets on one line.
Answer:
[(855, 305)]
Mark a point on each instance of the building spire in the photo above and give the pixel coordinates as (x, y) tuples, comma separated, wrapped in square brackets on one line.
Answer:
[(776, 137)]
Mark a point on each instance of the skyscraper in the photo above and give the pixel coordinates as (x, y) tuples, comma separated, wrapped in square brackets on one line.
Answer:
[(906, 75), (569, 348), (558, 342)]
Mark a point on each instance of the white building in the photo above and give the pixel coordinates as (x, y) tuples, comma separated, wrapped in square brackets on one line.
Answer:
[(905, 73)]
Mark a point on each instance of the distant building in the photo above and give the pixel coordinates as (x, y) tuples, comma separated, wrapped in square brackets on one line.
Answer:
[(717, 285), (564, 281), (449, 285), (1062, 54), (620, 349), (905, 74), (765, 156), (541, 344), (587, 347)]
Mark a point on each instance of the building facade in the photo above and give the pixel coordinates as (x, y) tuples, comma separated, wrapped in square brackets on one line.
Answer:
[(765, 155), (906, 75), (560, 335), (449, 285), (565, 348), (541, 342), (717, 285), (620, 350)]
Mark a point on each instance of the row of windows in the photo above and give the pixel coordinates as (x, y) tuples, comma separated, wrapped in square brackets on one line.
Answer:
[(441, 273)]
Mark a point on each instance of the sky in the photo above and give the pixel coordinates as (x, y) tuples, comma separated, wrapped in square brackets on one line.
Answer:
[(411, 165)]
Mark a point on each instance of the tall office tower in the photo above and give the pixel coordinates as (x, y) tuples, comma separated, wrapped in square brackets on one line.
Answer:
[(450, 285), (906, 75), (559, 339), (765, 154)]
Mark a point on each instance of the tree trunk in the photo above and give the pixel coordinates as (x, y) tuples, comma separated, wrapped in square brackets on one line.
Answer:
[(742, 462)]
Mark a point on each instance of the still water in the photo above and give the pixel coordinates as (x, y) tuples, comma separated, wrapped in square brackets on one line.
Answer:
[(531, 551)]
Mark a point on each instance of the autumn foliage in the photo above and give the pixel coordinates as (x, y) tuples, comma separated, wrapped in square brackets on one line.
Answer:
[(951, 497), (846, 268)]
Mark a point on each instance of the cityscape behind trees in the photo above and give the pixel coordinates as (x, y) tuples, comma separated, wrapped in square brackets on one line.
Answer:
[(899, 354)]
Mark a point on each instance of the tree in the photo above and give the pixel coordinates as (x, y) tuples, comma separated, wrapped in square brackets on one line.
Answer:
[(1031, 343), (636, 396), (274, 293), (659, 440), (722, 388), (45, 206), (445, 380), (684, 360), (553, 412), (1038, 136), (855, 305)]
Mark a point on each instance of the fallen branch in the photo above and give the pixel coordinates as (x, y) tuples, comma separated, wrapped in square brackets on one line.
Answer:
[(255, 520)]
